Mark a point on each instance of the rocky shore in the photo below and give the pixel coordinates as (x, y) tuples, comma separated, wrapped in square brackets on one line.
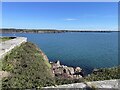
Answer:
[(65, 71)]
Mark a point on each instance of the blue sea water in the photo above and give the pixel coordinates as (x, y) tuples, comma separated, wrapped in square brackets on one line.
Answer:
[(88, 50)]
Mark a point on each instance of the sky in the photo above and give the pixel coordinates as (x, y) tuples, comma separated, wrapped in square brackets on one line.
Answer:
[(60, 15)]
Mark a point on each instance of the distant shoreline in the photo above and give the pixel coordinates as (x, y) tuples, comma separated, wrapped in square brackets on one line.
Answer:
[(7, 30)]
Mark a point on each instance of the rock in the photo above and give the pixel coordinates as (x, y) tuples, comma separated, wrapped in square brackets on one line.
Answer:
[(66, 71), (71, 70), (77, 76), (78, 72), (58, 71), (51, 62), (95, 85), (95, 70), (56, 65), (58, 62), (78, 69)]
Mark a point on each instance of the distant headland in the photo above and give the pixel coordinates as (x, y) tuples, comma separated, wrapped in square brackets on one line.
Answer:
[(14, 30)]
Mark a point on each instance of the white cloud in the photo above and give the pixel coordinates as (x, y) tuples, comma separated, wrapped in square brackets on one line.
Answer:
[(71, 19)]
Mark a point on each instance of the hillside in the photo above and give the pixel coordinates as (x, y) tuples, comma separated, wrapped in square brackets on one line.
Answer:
[(31, 31), (27, 68)]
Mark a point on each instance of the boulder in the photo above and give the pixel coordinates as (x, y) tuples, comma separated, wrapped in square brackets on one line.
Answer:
[(58, 63), (68, 70), (77, 76), (58, 71), (65, 70), (78, 69), (71, 70)]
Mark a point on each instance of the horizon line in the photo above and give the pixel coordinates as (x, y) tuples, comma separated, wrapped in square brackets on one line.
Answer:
[(64, 29)]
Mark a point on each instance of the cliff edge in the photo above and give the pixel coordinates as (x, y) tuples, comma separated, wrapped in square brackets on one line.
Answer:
[(28, 68)]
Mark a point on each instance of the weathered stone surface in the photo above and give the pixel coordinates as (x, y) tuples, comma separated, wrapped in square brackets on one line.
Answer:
[(78, 69), (7, 46), (58, 71), (104, 84), (71, 70), (98, 85), (55, 65), (58, 63), (75, 85), (65, 71), (77, 76)]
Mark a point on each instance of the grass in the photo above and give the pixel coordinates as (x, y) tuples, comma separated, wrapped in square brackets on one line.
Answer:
[(0, 65), (29, 70), (27, 67), (104, 74)]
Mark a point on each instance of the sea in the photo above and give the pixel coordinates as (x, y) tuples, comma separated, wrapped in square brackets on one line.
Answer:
[(88, 50)]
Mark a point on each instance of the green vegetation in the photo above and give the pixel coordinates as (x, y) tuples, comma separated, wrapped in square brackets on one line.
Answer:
[(5, 38), (27, 67), (104, 74), (0, 65), (100, 74), (61, 81), (29, 70)]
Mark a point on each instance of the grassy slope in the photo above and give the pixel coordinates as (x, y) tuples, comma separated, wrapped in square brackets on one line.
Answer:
[(28, 68), (104, 74)]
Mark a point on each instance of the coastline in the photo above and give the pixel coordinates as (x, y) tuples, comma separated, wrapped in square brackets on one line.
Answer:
[(83, 69), (65, 74), (13, 30)]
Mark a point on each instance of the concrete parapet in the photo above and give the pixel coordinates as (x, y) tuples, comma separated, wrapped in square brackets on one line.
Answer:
[(99, 85), (7, 46)]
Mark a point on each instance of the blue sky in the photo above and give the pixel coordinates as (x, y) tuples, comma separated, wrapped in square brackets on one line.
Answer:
[(60, 15)]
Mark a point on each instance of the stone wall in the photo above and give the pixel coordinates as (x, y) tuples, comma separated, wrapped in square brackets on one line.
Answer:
[(95, 85)]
